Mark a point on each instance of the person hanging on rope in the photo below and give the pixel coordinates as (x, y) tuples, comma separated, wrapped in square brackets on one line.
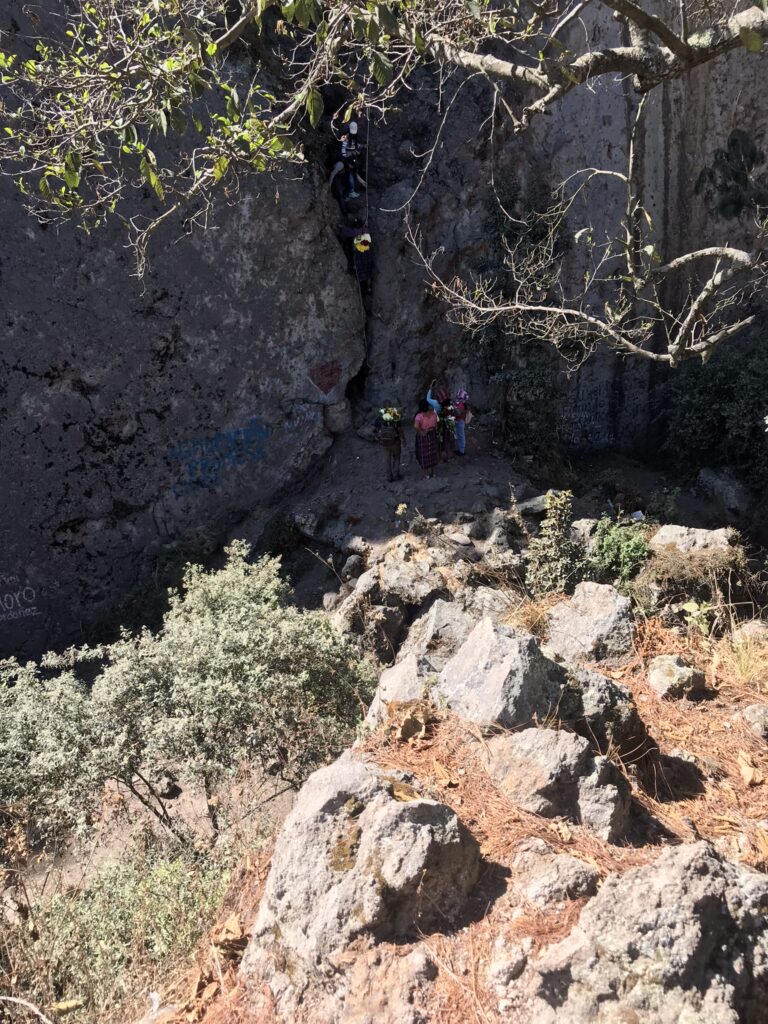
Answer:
[(362, 256), (347, 233), (351, 156)]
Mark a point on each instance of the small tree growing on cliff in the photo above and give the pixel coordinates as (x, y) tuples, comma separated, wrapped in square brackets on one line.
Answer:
[(236, 674), (172, 96)]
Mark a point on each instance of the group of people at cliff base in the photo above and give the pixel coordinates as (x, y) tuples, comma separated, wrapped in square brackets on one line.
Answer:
[(439, 425)]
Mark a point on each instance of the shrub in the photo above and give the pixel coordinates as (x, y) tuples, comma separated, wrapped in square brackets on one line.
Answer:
[(235, 674), (619, 550), (556, 563), (99, 947), (716, 577)]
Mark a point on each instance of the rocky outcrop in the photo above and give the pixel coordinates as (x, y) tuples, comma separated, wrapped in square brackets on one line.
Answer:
[(545, 877), (553, 773), (687, 539), (595, 624), (361, 854), (500, 677), (684, 939)]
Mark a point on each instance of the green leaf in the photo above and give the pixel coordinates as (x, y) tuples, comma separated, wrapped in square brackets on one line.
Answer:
[(751, 40), (220, 168), (381, 68), (150, 175), (387, 19), (315, 106)]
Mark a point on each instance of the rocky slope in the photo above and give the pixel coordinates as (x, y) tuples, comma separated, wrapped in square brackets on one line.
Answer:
[(555, 810)]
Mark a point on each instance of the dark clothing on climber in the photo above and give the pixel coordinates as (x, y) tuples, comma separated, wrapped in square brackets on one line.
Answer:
[(347, 234)]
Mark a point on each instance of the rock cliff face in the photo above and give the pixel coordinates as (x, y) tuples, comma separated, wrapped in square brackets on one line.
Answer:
[(140, 420)]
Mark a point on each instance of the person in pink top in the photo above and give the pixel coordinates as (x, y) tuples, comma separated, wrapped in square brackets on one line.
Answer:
[(425, 425)]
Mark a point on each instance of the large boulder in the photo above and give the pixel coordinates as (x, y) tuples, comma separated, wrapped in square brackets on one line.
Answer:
[(595, 624), (682, 939), (687, 539), (410, 583), (553, 773), (360, 854), (435, 635), (500, 677)]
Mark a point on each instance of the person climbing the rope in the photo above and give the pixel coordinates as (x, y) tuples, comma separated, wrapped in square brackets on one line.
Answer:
[(347, 233), (362, 256), (462, 414), (390, 435), (425, 425), (336, 184), (351, 155), (441, 404)]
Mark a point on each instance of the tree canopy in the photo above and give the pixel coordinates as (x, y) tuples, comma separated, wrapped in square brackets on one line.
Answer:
[(110, 98)]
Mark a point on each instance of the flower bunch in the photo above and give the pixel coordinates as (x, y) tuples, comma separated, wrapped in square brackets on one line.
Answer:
[(446, 419), (390, 414)]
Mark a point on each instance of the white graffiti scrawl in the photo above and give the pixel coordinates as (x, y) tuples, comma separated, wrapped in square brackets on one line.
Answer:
[(17, 601)]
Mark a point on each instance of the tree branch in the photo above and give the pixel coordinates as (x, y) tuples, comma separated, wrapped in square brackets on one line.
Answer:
[(650, 23)]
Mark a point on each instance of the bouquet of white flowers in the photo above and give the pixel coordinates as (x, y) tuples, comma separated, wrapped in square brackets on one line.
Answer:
[(389, 414)]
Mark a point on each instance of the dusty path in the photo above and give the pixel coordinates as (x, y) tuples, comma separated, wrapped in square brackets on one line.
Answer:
[(352, 485)]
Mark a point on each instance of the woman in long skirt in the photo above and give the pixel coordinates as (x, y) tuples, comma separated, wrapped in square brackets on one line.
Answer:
[(425, 425)]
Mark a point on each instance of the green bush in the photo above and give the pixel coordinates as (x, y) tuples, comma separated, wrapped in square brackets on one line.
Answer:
[(715, 412), (556, 563), (136, 919), (619, 550), (235, 674)]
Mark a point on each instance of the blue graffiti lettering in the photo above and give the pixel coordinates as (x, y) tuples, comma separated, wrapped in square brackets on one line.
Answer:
[(203, 461)]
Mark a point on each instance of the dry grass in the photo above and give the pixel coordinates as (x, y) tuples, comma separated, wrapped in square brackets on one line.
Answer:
[(731, 805), (447, 762), (530, 614)]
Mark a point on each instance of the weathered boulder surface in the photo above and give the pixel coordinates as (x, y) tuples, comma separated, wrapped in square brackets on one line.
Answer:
[(553, 773), (683, 939), (756, 717), (545, 877), (400, 682), (595, 624), (671, 677), (435, 635), (500, 677), (353, 859), (688, 539), (602, 711)]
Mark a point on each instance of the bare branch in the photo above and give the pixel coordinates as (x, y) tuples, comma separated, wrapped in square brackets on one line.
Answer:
[(650, 23)]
